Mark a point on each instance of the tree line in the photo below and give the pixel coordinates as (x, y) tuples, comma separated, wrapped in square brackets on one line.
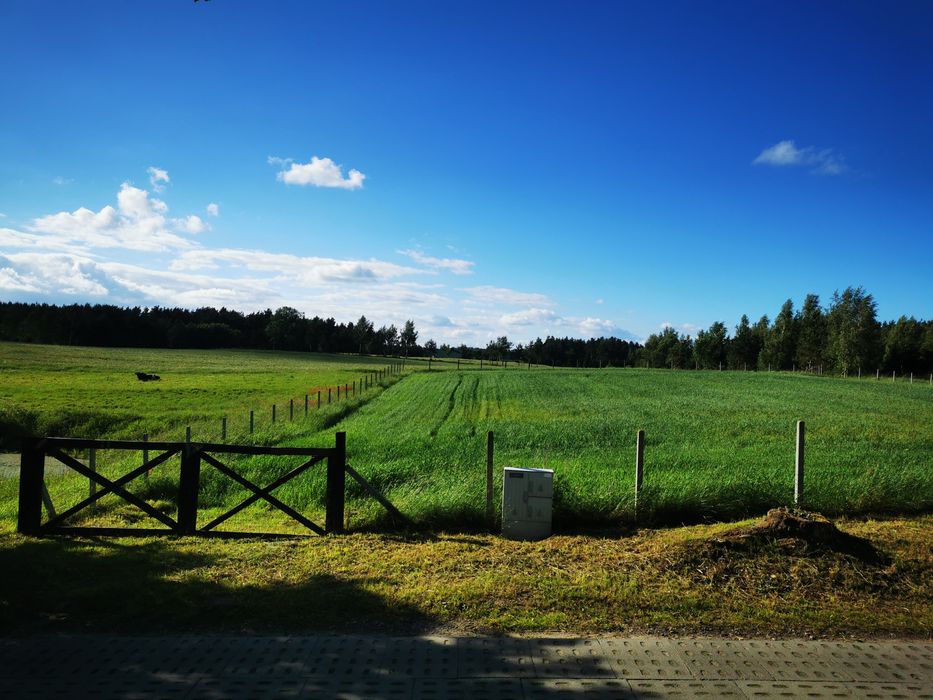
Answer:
[(844, 338), (283, 329)]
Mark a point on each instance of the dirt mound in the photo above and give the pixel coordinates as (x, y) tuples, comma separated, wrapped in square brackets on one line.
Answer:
[(800, 531)]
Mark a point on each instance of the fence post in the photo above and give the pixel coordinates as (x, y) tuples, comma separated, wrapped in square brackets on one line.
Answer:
[(338, 392), (328, 394), (639, 465), (336, 485), (187, 438), (318, 399), (223, 429), (188, 490), (273, 413), (146, 457), (291, 409), (31, 477), (490, 512), (306, 405), (251, 422), (798, 465)]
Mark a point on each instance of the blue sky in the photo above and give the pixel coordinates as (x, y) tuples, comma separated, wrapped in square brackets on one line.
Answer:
[(483, 168)]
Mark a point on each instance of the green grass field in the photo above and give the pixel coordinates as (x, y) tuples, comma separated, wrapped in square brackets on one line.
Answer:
[(719, 445), (93, 392)]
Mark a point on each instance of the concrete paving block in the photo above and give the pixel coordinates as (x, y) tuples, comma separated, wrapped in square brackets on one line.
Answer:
[(878, 662), (590, 688), (654, 690), (229, 688), (570, 658), (788, 660), (356, 689), (774, 690), (645, 658), (78, 687), (891, 691), (467, 689), (494, 657), (425, 656), (724, 660)]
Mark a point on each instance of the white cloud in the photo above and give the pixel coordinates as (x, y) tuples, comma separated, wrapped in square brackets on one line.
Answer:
[(785, 153), (599, 301), (192, 224), (213, 209), (138, 222), (319, 172), (309, 271), (454, 265), (502, 295), (59, 180), (156, 177), (528, 317)]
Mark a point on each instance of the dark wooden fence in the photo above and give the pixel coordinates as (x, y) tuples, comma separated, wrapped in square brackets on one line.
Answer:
[(33, 494)]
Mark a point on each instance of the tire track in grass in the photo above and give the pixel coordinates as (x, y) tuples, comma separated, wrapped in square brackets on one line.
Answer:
[(451, 402)]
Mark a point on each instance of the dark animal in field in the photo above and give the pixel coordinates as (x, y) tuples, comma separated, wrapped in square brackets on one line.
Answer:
[(143, 377)]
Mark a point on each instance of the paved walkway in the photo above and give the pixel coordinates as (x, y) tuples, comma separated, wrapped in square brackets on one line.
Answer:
[(354, 667)]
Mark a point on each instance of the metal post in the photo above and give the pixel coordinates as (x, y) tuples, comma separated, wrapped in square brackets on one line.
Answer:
[(319, 399), (31, 478), (336, 485), (490, 513), (273, 413), (291, 409), (306, 405), (798, 467), (223, 429), (328, 394)]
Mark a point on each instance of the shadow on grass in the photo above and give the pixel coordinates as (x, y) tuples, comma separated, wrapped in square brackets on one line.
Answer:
[(163, 585)]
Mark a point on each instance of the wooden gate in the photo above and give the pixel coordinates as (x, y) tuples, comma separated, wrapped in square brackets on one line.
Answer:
[(33, 494)]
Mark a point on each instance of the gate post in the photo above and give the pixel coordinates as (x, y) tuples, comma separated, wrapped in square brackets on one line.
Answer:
[(188, 489), (336, 483), (31, 475)]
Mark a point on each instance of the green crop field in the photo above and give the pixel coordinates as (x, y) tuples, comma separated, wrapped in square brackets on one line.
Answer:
[(719, 445), (93, 392)]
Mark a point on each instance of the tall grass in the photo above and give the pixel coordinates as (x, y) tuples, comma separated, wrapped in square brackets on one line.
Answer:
[(719, 445)]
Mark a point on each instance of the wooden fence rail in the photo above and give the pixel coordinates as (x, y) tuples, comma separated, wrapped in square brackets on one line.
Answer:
[(33, 493)]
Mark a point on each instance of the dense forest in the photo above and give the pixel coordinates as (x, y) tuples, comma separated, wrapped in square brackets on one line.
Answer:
[(284, 329), (846, 337)]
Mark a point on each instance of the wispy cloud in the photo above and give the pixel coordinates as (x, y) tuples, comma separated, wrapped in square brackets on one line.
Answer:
[(454, 265), (318, 172), (821, 161), (213, 209), (61, 181), (157, 176), (503, 295)]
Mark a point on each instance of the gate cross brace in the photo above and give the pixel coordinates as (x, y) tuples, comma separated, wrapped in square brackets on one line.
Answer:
[(263, 493), (111, 486), (371, 490)]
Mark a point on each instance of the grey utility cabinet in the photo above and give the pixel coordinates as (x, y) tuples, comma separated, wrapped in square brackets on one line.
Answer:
[(527, 497)]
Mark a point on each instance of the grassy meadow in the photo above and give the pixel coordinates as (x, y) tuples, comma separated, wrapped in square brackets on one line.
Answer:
[(719, 445)]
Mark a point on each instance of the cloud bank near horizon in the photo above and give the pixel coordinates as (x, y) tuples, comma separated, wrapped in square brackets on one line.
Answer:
[(133, 252)]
